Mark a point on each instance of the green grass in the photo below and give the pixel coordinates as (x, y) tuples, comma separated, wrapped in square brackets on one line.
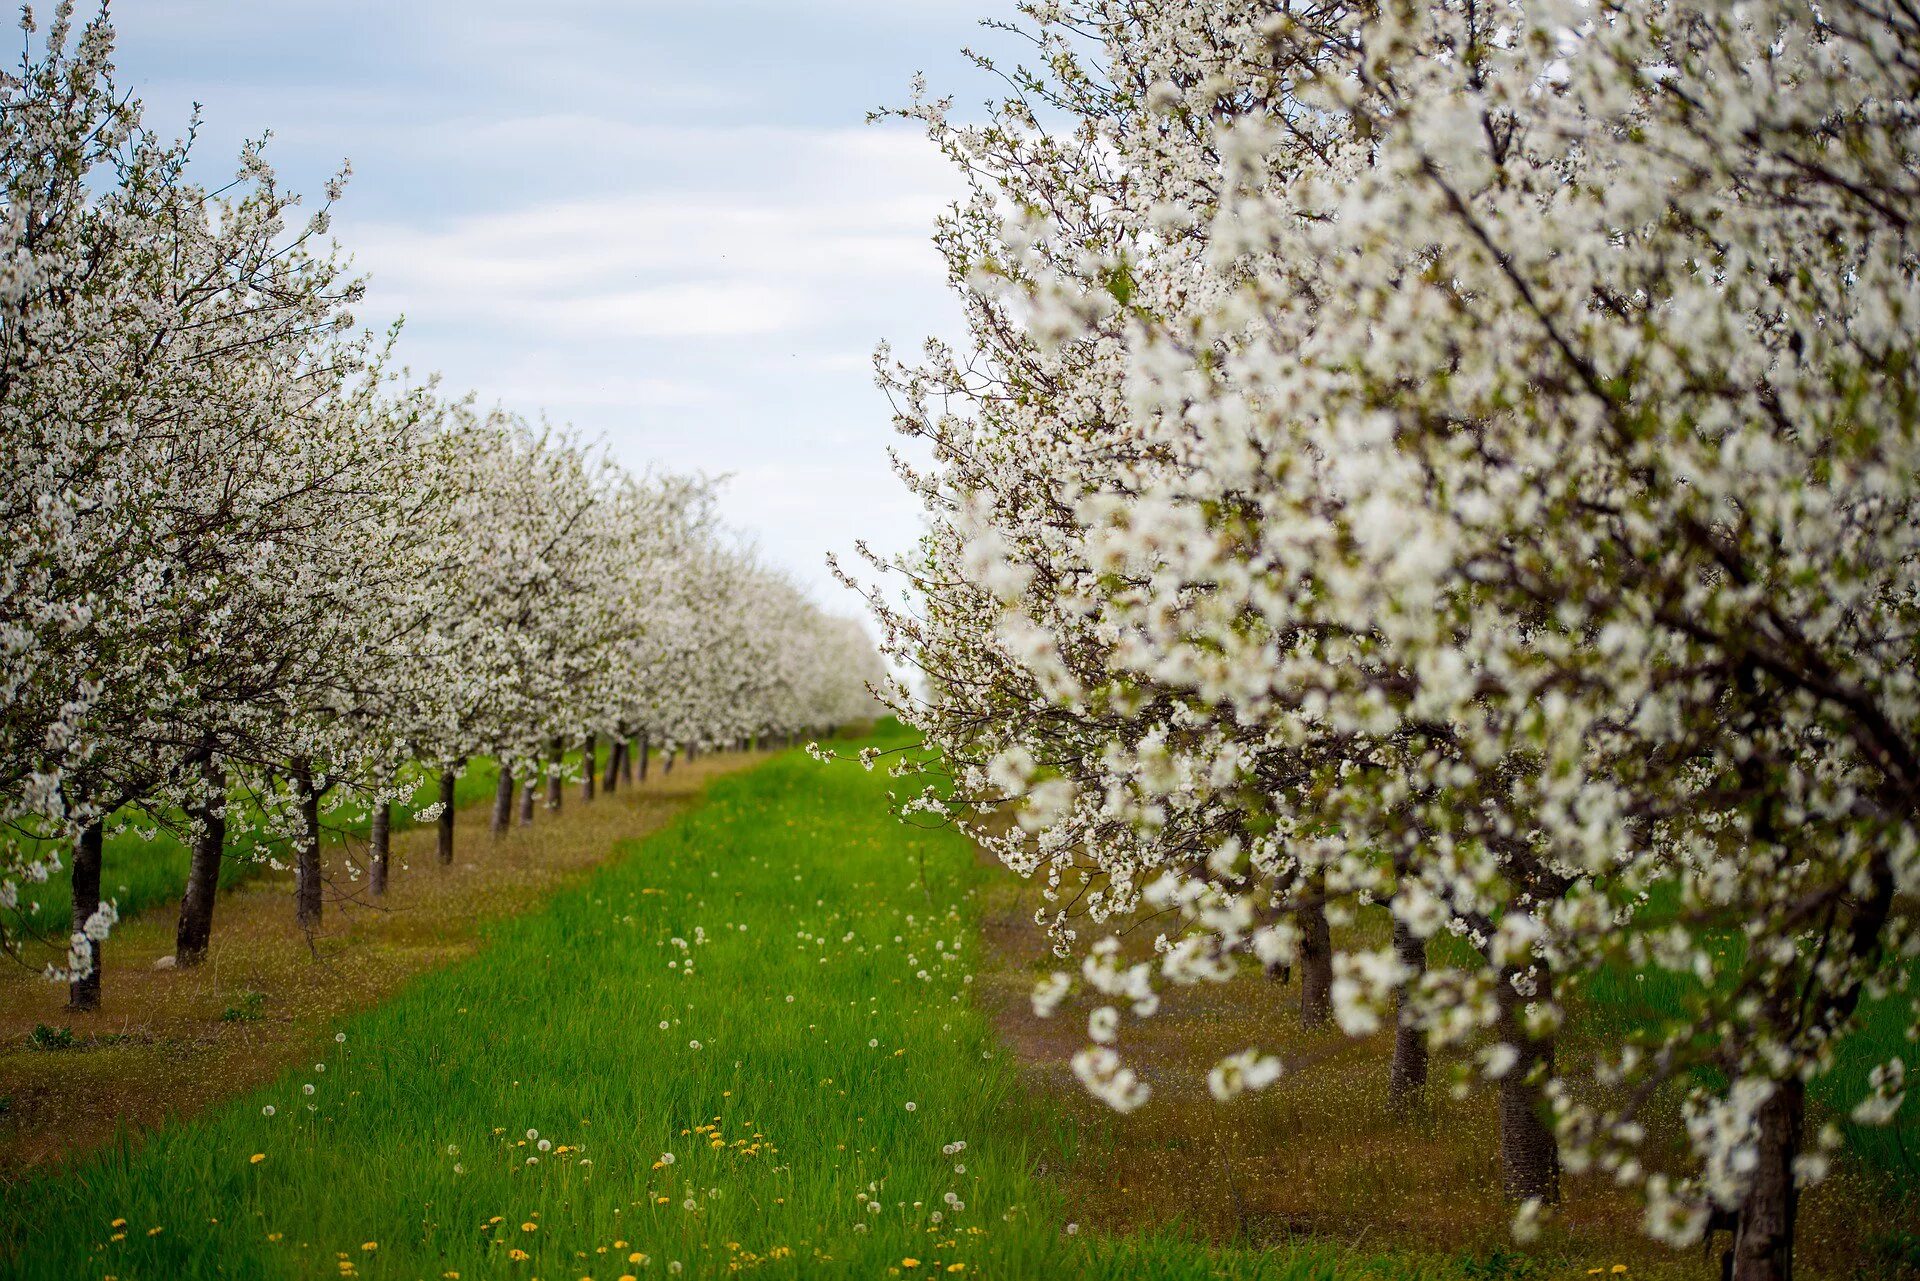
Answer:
[(838, 1053)]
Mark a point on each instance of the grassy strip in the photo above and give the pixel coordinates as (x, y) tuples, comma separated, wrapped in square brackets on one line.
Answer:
[(808, 1057)]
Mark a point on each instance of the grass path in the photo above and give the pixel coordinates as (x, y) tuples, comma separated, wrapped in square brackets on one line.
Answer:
[(752, 1043), (766, 990), (172, 1042)]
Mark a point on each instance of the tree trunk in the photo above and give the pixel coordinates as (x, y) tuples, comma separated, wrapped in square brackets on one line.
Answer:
[(503, 800), (555, 786), (527, 790), (666, 762), (1763, 1233), (589, 748), (611, 778), (379, 845), (195, 928), (1407, 1078), (88, 853), (626, 762), (645, 746), (1316, 958), (445, 844), (1529, 1153), (306, 864)]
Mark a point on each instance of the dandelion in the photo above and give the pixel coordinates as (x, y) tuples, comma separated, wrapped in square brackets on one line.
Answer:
[(529, 1227), (267, 1110), (545, 1145), (369, 1246), (340, 1038), (256, 1158), (912, 1106), (307, 1088), (693, 1045), (532, 1135), (666, 1158), (518, 1255), (909, 1263), (319, 1067)]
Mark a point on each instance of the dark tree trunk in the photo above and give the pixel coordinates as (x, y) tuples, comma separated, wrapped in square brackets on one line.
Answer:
[(1316, 958), (1529, 1153), (503, 800), (626, 762), (666, 762), (589, 749), (1763, 1232), (1407, 1078), (527, 790), (611, 779), (645, 746), (195, 929), (445, 843), (555, 785), (306, 864), (379, 845), (88, 853)]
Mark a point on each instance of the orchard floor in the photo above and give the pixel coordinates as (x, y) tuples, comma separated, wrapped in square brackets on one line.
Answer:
[(751, 1042), (171, 1042)]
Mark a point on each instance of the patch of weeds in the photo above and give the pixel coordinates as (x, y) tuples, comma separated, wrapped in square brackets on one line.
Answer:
[(1501, 1265), (50, 1038), (250, 1008)]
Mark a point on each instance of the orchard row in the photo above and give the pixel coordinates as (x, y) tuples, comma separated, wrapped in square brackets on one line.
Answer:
[(1437, 510), (252, 568)]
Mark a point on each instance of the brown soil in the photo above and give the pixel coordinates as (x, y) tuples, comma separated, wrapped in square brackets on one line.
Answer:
[(1317, 1156), (160, 1045)]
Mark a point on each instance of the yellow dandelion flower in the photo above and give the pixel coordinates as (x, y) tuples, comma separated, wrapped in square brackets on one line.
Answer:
[(636, 1257), (529, 1227), (369, 1246), (119, 1223), (909, 1263), (256, 1158), (518, 1255), (119, 1236), (154, 1232)]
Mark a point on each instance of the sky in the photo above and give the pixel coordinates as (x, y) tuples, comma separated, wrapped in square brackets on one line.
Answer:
[(665, 222)]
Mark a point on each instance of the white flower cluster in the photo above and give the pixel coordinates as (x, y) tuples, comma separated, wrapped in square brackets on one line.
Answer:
[(1424, 470)]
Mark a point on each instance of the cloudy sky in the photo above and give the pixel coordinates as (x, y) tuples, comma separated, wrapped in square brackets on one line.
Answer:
[(666, 222)]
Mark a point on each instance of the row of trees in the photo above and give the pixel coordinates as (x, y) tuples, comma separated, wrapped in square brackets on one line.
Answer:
[(1450, 470), (250, 566)]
